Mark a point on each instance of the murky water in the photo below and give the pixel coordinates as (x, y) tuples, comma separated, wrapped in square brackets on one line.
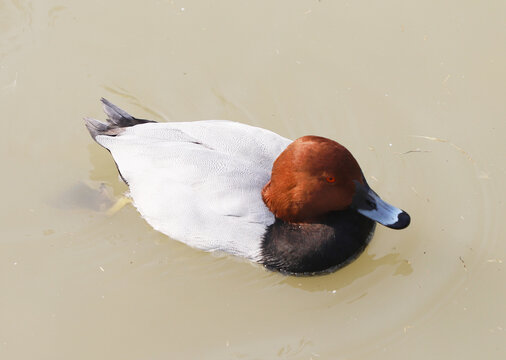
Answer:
[(414, 90)]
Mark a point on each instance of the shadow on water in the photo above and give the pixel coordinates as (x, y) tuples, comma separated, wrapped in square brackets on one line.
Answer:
[(365, 265), (97, 193), (82, 195)]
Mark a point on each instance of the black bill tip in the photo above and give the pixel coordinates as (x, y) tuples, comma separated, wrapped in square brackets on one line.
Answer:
[(403, 221)]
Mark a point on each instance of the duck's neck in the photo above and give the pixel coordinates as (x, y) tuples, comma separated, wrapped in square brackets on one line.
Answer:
[(323, 246)]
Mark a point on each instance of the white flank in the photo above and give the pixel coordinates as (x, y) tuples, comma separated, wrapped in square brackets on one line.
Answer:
[(200, 182)]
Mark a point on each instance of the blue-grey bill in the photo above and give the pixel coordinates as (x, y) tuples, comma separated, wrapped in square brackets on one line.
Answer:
[(369, 204)]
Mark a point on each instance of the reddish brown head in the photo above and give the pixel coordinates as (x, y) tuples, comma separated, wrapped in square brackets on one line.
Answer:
[(312, 177)]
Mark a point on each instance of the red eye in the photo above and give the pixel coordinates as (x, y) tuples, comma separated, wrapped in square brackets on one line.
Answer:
[(331, 179)]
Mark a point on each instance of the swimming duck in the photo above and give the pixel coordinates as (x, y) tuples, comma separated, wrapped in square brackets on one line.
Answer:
[(298, 207)]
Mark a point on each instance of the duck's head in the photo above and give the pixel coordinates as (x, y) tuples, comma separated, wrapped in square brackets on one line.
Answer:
[(314, 176)]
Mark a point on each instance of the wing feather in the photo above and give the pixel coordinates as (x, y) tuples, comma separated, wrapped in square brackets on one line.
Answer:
[(200, 182)]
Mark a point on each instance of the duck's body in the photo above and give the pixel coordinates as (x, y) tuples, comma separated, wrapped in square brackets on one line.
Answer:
[(208, 184)]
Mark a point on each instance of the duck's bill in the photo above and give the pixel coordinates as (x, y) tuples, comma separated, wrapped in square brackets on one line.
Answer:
[(369, 204)]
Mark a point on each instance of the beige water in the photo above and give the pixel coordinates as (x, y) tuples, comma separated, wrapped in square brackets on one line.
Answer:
[(416, 90)]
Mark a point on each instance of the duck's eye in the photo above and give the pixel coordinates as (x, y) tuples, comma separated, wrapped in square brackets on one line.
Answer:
[(331, 179)]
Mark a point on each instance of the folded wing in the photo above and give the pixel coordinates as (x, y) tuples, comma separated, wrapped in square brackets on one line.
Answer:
[(199, 182)]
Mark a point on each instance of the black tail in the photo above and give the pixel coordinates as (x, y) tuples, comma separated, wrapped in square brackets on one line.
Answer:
[(117, 119)]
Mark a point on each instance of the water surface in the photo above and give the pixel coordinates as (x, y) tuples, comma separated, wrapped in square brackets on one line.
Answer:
[(414, 90)]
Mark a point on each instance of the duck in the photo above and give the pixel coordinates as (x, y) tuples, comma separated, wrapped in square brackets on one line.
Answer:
[(299, 207)]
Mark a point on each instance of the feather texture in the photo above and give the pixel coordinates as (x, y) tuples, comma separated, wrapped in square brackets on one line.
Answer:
[(199, 182)]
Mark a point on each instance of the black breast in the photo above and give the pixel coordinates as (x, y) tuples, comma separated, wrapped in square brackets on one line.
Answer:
[(308, 249)]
